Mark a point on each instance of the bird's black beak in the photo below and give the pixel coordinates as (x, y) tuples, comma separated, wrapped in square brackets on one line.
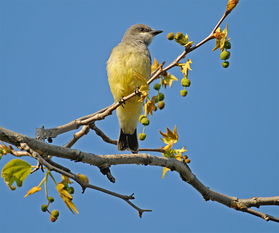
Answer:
[(156, 32)]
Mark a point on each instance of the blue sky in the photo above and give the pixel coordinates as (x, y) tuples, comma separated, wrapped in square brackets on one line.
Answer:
[(52, 70)]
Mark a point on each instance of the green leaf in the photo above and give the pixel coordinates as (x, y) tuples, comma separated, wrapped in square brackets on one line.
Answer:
[(15, 170)]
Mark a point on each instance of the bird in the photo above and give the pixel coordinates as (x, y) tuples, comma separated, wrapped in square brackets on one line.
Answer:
[(129, 67)]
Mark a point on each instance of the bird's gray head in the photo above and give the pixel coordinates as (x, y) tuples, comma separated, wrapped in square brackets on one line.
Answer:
[(140, 33)]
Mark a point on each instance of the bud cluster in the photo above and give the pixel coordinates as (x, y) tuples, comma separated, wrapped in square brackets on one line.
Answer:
[(225, 54)]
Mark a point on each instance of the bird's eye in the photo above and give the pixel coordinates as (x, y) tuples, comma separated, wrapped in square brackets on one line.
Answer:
[(143, 29)]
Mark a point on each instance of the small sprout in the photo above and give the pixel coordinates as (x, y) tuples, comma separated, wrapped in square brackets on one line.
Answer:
[(55, 213), (44, 207), (225, 64), (183, 92), (225, 55), (144, 121), (161, 96), (157, 86), (50, 199), (227, 45), (185, 82), (142, 136), (231, 5), (71, 190), (161, 105), (170, 36)]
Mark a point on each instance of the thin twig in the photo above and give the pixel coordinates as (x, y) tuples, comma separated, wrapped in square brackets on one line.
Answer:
[(102, 135), (84, 130)]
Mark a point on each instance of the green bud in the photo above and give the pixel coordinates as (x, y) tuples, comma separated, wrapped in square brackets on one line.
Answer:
[(142, 136), (161, 96), (141, 117), (227, 45), (50, 199), (170, 36), (183, 92), (44, 207), (55, 213), (157, 86), (156, 99), (185, 82), (179, 36), (71, 190), (161, 105), (144, 121), (225, 64), (225, 55)]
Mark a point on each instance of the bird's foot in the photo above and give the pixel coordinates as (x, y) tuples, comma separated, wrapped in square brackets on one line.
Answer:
[(137, 91), (122, 101)]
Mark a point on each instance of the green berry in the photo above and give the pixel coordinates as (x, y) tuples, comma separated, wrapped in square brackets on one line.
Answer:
[(185, 82), (50, 199), (44, 207), (19, 183), (157, 86), (156, 99), (183, 92), (225, 55), (161, 96), (141, 117), (71, 190), (225, 64), (170, 36), (55, 213), (178, 36), (145, 121), (227, 45), (142, 136), (161, 105)]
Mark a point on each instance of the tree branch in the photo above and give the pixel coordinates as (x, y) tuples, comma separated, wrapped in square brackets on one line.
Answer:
[(52, 167), (106, 160), (42, 133)]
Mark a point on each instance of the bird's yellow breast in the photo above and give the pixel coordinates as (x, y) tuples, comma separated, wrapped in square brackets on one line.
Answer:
[(127, 69)]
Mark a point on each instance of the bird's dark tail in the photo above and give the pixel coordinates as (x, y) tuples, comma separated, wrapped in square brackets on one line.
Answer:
[(128, 141)]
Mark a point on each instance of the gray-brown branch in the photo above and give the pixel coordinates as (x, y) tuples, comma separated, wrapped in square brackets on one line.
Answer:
[(146, 159)]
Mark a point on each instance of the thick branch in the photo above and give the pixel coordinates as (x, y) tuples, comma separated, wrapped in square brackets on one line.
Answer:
[(146, 159)]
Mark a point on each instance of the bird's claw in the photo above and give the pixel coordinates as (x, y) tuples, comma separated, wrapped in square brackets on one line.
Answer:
[(122, 100), (137, 91)]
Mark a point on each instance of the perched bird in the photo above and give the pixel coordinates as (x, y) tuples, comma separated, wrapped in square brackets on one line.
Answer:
[(128, 66)]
